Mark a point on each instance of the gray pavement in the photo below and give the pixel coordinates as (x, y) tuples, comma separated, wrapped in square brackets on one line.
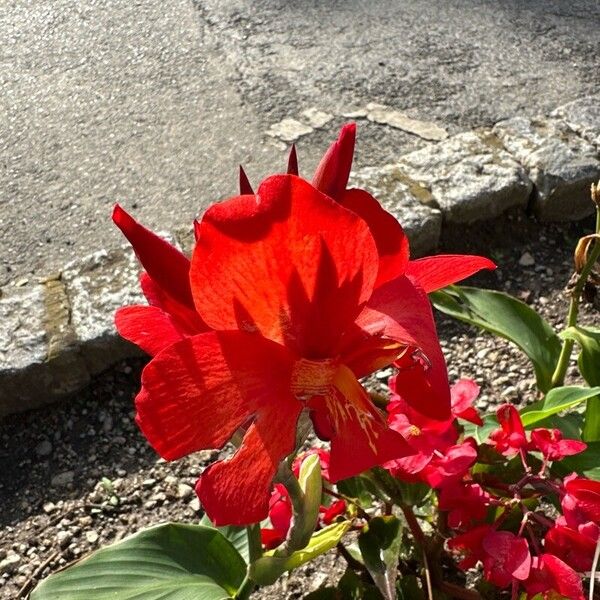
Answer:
[(155, 103)]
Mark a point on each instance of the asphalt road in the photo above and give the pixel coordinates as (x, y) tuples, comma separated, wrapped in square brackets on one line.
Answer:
[(154, 103)]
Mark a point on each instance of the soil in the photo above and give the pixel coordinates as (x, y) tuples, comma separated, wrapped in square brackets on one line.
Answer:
[(55, 508)]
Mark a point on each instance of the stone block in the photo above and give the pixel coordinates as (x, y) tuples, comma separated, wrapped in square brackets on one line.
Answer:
[(470, 176), (96, 287), (583, 117), (561, 165), (400, 197)]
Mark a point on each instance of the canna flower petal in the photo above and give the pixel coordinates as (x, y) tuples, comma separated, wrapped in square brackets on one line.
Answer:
[(148, 327), (331, 176), (360, 436), (166, 265), (435, 272), (391, 241), (236, 491), (199, 391), (289, 263), (400, 312)]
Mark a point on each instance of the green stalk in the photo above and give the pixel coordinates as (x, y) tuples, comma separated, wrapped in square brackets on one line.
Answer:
[(558, 378), (255, 552)]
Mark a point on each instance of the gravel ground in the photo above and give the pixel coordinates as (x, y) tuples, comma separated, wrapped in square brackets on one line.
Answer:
[(54, 507)]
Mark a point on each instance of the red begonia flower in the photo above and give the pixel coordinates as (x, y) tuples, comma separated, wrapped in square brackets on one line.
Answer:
[(581, 503), (470, 545), (550, 575), (330, 513), (450, 465), (571, 546), (510, 438), (506, 558), (551, 444), (462, 395), (280, 515), (466, 503)]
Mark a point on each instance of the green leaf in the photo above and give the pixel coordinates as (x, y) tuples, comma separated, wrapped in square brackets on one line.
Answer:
[(556, 400), (586, 463), (380, 544), (588, 339), (506, 317), (238, 536), (267, 569), (166, 562), (359, 488), (481, 432), (409, 589)]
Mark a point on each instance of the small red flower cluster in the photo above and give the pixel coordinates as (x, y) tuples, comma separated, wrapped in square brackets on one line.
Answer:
[(281, 510), (293, 293), (499, 525)]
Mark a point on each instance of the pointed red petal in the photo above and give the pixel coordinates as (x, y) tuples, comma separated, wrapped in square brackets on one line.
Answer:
[(186, 319), (401, 312), (196, 229), (435, 272), (245, 187), (360, 438), (148, 327), (392, 243), (199, 391), (168, 267), (292, 168), (290, 274), (331, 176), (237, 491)]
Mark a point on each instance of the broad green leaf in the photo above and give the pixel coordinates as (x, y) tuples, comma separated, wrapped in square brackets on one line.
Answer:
[(588, 338), (267, 569), (360, 488), (380, 544), (481, 432), (509, 318), (166, 562), (556, 400), (586, 463), (238, 536)]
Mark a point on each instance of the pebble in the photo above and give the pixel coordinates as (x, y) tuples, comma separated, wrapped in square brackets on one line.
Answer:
[(49, 507), (184, 491), (62, 479), (44, 448), (91, 536), (63, 538), (10, 563), (527, 260)]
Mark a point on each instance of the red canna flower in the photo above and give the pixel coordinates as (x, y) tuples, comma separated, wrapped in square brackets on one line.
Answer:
[(510, 438), (298, 297), (462, 395), (551, 444), (550, 576)]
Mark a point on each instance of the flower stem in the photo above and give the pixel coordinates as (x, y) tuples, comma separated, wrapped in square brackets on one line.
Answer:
[(558, 377)]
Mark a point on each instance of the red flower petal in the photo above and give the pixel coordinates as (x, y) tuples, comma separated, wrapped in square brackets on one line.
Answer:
[(462, 395), (586, 494), (401, 312), (550, 574), (236, 491), (435, 272), (289, 273), (507, 558), (167, 266), (185, 318), (331, 176), (198, 392), (147, 327), (360, 437), (571, 546), (392, 243)]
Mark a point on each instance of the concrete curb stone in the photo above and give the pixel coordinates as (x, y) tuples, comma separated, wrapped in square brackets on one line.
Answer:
[(561, 165), (56, 334)]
